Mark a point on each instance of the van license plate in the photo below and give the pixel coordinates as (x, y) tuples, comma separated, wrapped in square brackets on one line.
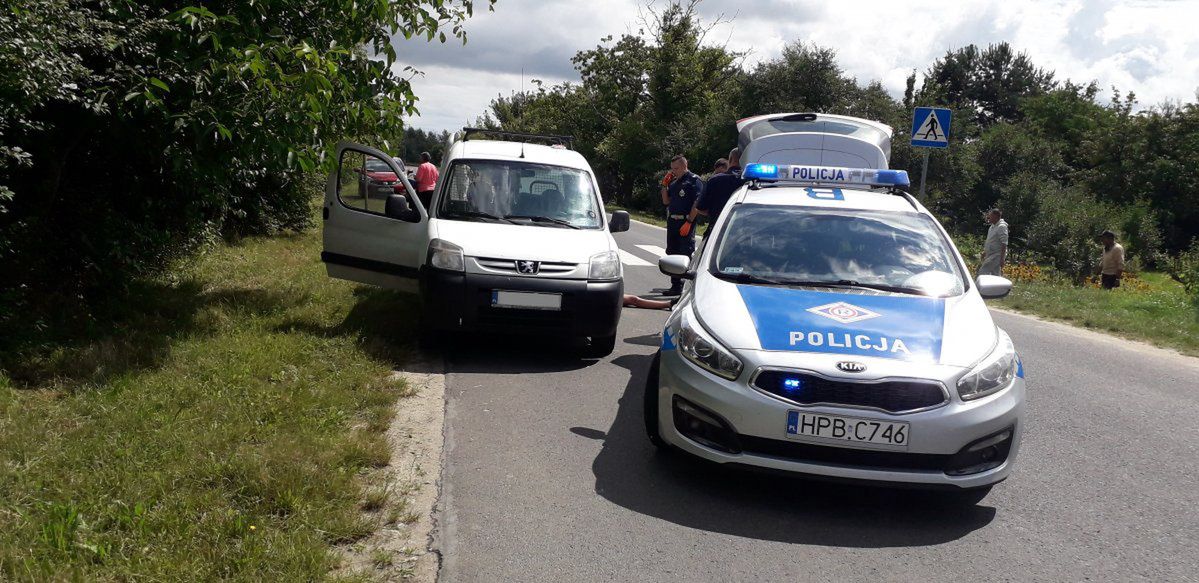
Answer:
[(526, 300), (801, 425)]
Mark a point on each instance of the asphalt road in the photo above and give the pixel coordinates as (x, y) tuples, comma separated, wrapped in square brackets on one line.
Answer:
[(549, 476)]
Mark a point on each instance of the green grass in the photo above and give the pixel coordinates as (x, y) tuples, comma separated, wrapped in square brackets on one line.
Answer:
[(217, 428), (1161, 314)]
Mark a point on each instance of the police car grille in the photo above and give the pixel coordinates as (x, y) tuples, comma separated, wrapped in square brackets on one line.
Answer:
[(842, 456), (897, 396)]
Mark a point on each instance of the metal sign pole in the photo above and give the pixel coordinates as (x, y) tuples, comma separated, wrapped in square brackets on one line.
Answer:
[(924, 173)]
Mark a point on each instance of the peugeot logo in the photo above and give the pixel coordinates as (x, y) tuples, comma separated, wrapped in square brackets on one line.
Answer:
[(528, 267), (850, 366)]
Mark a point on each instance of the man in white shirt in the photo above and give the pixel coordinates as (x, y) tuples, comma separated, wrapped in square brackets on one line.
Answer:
[(1111, 265), (995, 249)]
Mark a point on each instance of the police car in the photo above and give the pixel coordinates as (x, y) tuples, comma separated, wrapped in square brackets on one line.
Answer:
[(829, 327)]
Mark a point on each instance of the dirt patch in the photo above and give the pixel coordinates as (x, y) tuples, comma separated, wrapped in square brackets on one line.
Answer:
[(401, 497)]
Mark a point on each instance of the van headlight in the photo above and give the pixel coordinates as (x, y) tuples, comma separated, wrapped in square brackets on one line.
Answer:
[(697, 345), (992, 374), (446, 255), (604, 265)]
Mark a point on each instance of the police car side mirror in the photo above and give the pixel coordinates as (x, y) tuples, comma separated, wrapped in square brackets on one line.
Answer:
[(993, 287), (675, 265), (619, 222)]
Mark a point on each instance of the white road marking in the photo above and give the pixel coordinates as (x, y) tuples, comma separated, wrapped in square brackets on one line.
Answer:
[(654, 250), (632, 260)]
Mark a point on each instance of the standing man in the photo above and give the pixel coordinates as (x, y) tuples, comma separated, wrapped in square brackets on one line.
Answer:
[(680, 189), (995, 249), (426, 179), (1111, 266), (718, 191)]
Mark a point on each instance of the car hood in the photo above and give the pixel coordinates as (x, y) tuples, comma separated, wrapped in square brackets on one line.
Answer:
[(382, 176), (956, 331), (525, 242)]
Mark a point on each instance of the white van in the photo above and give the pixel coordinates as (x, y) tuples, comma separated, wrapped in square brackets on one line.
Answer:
[(814, 138), (514, 240)]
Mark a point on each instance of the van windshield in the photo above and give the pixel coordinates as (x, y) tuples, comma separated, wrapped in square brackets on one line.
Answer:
[(520, 193)]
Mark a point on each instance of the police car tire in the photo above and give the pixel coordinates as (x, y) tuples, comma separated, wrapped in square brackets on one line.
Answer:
[(650, 408), (970, 497), (600, 346)]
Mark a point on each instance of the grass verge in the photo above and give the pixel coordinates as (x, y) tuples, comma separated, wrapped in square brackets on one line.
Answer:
[(216, 428), (658, 219), (1157, 311)]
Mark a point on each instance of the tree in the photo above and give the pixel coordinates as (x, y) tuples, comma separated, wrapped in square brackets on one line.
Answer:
[(134, 132)]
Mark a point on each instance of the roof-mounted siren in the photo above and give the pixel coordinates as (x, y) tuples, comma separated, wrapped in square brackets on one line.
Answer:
[(814, 138), (805, 174)]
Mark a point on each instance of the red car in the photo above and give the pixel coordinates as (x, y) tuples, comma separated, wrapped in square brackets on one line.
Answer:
[(377, 180)]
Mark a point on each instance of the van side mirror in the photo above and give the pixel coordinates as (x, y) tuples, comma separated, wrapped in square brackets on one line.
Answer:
[(675, 266), (619, 222), (993, 287), (397, 207)]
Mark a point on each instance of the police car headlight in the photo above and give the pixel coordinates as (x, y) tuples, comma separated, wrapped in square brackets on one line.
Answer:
[(697, 345), (446, 255), (604, 265), (993, 374)]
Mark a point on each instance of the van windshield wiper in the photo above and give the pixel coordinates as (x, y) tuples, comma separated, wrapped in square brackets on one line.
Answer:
[(480, 215), (541, 219)]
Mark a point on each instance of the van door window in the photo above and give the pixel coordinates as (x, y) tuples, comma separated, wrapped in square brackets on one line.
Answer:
[(364, 182)]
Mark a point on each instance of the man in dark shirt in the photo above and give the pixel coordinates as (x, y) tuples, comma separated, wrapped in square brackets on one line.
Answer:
[(717, 192), (680, 189)]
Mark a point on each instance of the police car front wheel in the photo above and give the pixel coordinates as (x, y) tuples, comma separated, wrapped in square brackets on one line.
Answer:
[(650, 408)]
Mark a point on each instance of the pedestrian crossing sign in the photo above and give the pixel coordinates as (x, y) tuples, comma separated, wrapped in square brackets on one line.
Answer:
[(930, 127)]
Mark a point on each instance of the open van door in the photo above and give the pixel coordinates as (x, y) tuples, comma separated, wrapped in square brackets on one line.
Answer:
[(375, 227)]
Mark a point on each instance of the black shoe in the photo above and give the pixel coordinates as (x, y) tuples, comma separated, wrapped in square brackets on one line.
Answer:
[(674, 291)]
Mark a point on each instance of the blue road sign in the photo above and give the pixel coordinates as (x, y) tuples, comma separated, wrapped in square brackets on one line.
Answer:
[(930, 127)]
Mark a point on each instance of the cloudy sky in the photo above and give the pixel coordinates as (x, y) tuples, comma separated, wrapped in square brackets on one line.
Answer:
[(1147, 46)]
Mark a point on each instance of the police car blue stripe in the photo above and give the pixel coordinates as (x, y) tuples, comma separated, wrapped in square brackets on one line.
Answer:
[(667, 339), (885, 326), (1019, 367)]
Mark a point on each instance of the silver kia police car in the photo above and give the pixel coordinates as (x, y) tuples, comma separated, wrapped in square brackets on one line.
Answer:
[(829, 327)]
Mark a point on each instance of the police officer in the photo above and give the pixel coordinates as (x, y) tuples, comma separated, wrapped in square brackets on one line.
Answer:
[(680, 189), (718, 190)]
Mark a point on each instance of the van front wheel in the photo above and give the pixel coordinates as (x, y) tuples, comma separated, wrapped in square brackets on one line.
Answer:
[(600, 346)]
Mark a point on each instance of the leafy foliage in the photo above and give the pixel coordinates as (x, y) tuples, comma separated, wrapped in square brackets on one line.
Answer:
[(131, 133)]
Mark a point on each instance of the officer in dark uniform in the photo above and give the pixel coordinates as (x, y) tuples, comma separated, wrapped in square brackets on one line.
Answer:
[(680, 189), (718, 190)]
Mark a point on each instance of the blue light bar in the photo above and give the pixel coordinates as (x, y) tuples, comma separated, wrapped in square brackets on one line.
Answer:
[(826, 175)]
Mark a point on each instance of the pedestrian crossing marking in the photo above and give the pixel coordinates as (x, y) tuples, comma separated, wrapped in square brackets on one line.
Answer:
[(632, 260), (653, 250)]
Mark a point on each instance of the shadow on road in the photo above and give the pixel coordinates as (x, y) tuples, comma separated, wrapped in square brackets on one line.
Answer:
[(689, 492), (504, 354)]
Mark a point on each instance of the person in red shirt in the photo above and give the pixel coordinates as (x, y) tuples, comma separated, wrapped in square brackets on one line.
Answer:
[(426, 179)]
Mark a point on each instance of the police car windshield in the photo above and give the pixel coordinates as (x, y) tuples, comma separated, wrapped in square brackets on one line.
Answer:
[(886, 251), (520, 192)]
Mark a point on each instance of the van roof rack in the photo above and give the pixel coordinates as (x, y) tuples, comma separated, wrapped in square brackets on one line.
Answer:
[(567, 141)]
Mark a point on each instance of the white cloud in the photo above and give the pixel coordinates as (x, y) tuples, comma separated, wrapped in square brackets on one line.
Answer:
[(1137, 45)]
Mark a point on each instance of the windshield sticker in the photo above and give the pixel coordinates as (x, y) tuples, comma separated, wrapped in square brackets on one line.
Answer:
[(900, 327), (732, 270)]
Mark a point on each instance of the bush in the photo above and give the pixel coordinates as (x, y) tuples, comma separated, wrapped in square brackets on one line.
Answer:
[(1065, 231), (1185, 270), (131, 133)]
